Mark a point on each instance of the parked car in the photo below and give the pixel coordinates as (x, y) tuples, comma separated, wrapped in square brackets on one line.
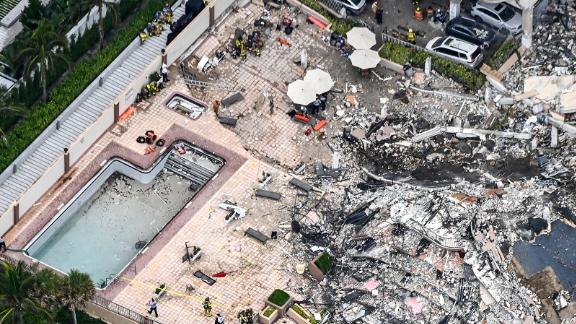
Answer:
[(471, 31), (456, 50), (352, 6), (498, 15)]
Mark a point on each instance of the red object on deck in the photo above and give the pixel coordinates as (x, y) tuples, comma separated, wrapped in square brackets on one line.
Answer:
[(320, 124), (302, 118), (283, 42), (317, 22), (220, 274)]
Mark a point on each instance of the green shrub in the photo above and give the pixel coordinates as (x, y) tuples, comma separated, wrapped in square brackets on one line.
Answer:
[(279, 297), (268, 311), (340, 26), (324, 262), (63, 316), (71, 87), (503, 53), (304, 314), (398, 53)]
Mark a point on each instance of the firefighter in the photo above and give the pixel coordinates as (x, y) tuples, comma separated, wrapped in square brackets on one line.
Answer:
[(207, 307), (411, 36), (143, 36)]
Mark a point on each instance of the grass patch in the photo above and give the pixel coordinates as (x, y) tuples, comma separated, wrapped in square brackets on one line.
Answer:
[(65, 92), (304, 314), (324, 262), (268, 311), (279, 297), (398, 53), (340, 26), (503, 53)]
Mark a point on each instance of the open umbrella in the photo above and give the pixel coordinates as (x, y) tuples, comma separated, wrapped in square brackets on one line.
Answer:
[(361, 38), (301, 92), (320, 80), (365, 59)]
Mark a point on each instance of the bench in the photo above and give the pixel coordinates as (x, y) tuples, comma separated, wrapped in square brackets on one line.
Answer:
[(268, 194), (256, 235), (202, 276), (228, 121), (300, 184), (227, 102)]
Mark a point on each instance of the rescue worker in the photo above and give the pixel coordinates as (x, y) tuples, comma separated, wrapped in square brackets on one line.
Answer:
[(207, 307), (411, 36), (243, 54), (379, 15), (143, 36), (440, 16)]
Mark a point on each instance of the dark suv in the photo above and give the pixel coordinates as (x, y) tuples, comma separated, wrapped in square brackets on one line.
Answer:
[(471, 31)]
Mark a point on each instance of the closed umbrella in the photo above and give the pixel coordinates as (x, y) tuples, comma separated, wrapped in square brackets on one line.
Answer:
[(365, 59), (361, 38), (301, 92), (320, 80)]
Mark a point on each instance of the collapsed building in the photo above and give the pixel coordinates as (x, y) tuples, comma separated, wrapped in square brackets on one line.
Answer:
[(427, 207)]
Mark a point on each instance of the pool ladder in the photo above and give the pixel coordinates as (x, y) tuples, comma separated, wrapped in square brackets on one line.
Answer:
[(188, 169)]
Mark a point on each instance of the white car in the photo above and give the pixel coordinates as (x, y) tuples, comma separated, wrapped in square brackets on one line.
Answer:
[(500, 15), (456, 50)]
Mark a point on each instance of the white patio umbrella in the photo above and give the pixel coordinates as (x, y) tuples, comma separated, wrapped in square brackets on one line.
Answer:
[(361, 38), (301, 92), (320, 80), (365, 59)]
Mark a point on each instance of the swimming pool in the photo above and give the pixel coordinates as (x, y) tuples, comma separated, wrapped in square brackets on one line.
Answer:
[(114, 217)]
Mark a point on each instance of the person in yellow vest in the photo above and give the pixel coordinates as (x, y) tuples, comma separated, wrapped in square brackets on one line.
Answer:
[(411, 36), (207, 305)]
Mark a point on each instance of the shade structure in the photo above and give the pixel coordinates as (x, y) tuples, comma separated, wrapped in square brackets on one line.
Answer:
[(361, 38), (365, 59), (320, 80), (301, 92)]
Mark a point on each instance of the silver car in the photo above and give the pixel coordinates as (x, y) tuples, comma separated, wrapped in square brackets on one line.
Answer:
[(456, 50), (352, 6), (500, 15)]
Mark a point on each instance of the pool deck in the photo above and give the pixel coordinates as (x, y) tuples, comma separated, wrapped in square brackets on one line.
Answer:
[(260, 138), (254, 270)]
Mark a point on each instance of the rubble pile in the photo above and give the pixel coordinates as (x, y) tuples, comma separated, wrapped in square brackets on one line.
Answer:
[(432, 196)]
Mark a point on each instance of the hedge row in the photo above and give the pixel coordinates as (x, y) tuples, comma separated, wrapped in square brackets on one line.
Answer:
[(503, 53), (29, 92), (340, 26), (401, 54), (71, 87)]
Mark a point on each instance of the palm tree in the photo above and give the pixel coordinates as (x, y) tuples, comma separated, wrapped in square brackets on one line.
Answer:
[(42, 48), (110, 6), (78, 289), (16, 291)]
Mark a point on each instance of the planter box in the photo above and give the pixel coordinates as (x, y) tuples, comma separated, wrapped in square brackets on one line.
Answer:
[(282, 309), (315, 271), (271, 319), (296, 317)]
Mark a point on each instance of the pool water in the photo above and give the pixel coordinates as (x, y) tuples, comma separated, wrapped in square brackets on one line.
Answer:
[(114, 224)]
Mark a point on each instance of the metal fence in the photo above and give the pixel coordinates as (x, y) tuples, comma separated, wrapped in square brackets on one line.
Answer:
[(334, 5), (391, 39), (123, 311)]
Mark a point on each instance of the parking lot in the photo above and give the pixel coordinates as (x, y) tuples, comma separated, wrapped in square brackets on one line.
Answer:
[(398, 17)]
